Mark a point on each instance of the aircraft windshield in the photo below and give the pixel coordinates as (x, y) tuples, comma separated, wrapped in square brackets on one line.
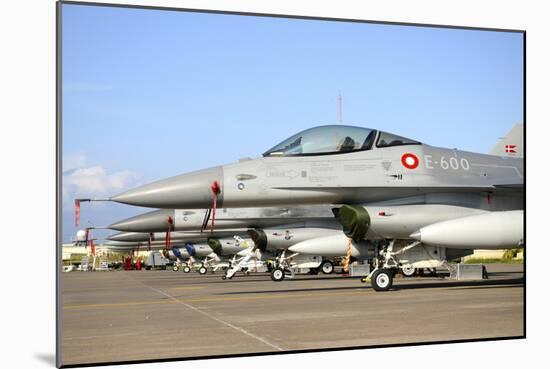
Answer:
[(388, 139), (331, 139)]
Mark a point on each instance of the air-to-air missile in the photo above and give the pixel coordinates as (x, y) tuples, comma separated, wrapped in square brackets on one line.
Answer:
[(354, 168)]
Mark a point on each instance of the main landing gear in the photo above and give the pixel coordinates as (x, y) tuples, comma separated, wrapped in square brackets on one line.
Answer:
[(277, 274), (281, 267), (385, 266)]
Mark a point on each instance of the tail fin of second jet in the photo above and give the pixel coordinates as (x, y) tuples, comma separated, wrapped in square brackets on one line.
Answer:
[(510, 145)]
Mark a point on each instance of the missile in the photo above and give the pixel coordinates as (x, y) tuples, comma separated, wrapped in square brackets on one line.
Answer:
[(334, 245), (494, 230)]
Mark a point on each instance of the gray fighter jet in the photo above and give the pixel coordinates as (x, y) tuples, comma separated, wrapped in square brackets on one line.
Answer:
[(354, 168), (190, 220)]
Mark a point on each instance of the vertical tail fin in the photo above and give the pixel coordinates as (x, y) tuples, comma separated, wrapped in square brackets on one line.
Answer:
[(510, 145)]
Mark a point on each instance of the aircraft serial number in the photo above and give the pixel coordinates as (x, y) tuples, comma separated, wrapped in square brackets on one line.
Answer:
[(447, 163)]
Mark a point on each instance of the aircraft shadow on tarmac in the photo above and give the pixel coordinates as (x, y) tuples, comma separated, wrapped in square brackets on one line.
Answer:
[(495, 283)]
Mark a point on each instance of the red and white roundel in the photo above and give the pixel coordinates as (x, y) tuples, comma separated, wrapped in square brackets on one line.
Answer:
[(409, 161)]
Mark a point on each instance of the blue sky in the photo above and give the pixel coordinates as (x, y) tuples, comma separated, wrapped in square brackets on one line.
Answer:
[(149, 94)]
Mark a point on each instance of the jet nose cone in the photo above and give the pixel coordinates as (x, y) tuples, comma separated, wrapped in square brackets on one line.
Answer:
[(129, 237), (154, 221), (190, 190)]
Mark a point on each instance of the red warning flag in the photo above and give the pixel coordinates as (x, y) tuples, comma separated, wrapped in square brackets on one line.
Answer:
[(170, 222), (216, 189), (76, 212)]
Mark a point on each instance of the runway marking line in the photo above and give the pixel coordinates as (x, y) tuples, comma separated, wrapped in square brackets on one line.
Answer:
[(206, 314)]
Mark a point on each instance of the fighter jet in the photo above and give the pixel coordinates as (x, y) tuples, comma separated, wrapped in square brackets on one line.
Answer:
[(194, 220), (336, 164), (354, 168)]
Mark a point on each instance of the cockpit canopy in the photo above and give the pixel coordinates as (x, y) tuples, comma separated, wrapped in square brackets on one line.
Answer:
[(335, 139)]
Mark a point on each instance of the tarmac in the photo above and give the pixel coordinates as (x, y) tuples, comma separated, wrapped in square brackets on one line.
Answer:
[(147, 315)]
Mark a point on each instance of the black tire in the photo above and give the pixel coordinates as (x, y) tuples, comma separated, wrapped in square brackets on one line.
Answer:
[(382, 280), (203, 270), (175, 268), (186, 269), (327, 267), (277, 274)]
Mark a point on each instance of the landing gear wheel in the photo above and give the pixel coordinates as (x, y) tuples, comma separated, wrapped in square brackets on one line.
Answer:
[(382, 280), (186, 269), (327, 267), (277, 274), (408, 270), (175, 268), (203, 270)]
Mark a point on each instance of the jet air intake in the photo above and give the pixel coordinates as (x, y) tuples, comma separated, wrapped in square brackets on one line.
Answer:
[(259, 238), (355, 221), (215, 245)]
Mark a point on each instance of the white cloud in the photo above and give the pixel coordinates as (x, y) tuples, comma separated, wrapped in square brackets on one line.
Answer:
[(81, 181), (94, 180)]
